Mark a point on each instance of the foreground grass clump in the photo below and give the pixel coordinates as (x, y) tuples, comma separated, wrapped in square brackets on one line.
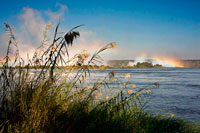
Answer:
[(60, 100)]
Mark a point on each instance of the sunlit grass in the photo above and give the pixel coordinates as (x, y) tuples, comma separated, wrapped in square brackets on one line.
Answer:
[(46, 100)]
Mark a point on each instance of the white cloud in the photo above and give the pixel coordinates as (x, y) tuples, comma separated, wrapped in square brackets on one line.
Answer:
[(31, 28), (56, 16), (32, 25)]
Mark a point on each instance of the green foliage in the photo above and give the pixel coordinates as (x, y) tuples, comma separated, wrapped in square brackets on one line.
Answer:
[(147, 65)]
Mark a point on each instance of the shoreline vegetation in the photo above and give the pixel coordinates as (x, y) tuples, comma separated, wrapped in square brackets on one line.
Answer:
[(102, 67), (55, 101)]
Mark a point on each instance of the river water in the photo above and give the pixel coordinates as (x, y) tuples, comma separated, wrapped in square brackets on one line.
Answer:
[(179, 90)]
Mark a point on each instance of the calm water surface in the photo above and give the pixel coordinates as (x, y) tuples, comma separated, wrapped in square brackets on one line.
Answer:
[(179, 91)]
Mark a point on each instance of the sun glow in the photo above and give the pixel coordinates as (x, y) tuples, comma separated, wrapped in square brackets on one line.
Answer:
[(167, 62)]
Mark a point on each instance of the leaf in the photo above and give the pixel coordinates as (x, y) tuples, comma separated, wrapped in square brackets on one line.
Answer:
[(7, 25), (70, 36)]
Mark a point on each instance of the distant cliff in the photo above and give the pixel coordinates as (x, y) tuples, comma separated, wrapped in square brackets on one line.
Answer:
[(185, 63), (191, 63), (119, 63)]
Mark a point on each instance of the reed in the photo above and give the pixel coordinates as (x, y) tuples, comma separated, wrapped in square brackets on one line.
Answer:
[(50, 99)]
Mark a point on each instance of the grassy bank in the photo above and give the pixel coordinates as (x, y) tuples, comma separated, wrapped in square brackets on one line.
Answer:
[(46, 106), (45, 100)]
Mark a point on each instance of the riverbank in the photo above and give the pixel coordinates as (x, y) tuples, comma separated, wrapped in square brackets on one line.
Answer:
[(102, 67)]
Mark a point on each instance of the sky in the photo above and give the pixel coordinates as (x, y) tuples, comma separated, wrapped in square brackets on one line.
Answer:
[(152, 28)]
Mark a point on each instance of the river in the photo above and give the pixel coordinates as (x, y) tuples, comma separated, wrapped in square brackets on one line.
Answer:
[(179, 90)]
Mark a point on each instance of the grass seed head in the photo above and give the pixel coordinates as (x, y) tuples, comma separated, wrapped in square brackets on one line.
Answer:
[(49, 25), (113, 45), (133, 85), (130, 91), (172, 115), (148, 91), (127, 76)]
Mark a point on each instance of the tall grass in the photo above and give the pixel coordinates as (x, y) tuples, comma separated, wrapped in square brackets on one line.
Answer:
[(59, 100)]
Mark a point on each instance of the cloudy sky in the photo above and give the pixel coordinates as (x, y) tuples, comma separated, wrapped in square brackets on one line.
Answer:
[(161, 28)]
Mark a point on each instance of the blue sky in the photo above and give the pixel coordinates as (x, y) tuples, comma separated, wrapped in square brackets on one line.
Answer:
[(166, 28)]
